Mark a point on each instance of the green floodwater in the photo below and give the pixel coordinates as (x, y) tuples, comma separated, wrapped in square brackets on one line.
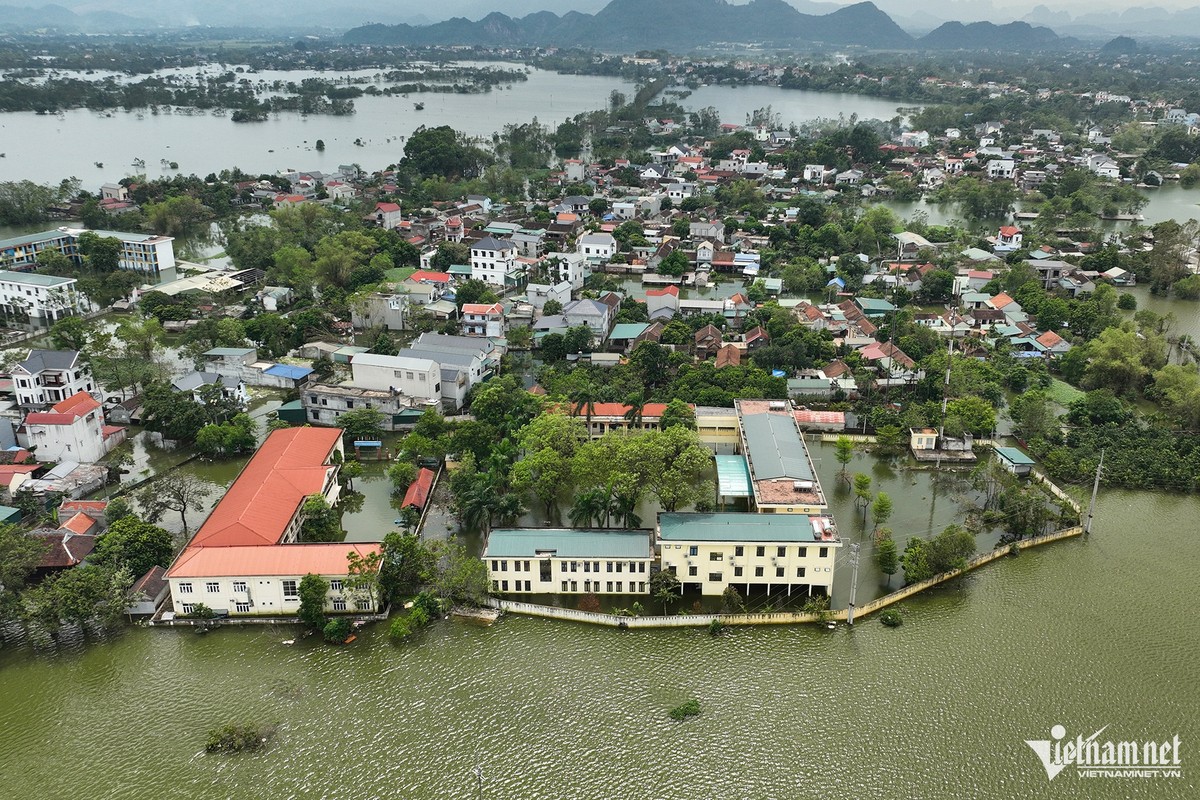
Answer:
[(1082, 633)]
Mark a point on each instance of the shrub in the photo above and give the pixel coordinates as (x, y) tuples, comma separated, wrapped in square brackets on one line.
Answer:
[(337, 631), (400, 629), (890, 618), (689, 709), (715, 627), (237, 738)]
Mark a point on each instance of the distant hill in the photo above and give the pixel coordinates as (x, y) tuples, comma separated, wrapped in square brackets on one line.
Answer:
[(1120, 46), (1015, 36), (654, 24)]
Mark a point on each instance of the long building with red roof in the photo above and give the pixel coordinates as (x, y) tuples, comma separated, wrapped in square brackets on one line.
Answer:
[(246, 559)]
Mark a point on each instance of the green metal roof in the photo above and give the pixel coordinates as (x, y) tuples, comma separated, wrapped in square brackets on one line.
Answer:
[(567, 543), (739, 527), (32, 238), (1014, 456), (733, 476), (873, 306), (459, 269), (775, 449), (228, 351), (628, 330)]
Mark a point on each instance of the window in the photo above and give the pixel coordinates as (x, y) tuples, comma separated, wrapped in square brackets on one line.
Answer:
[(691, 572), (781, 551), (715, 556), (339, 604), (714, 577), (516, 566), (335, 586), (185, 588), (693, 550), (574, 586), (619, 566), (739, 551), (495, 586), (241, 608), (504, 566), (758, 572), (408, 375), (824, 553), (564, 586), (609, 567), (239, 586), (290, 592), (363, 604), (608, 587), (495, 565), (349, 404), (587, 566), (574, 566), (760, 551), (642, 567), (188, 608), (212, 587), (800, 572), (737, 572), (504, 586), (315, 414), (804, 552), (595, 566), (779, 572)]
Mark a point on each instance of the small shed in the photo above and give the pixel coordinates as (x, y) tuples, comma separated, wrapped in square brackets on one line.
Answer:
[(1014, 460)]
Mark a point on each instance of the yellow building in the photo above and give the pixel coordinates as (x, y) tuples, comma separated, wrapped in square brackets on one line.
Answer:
[(773, 553)]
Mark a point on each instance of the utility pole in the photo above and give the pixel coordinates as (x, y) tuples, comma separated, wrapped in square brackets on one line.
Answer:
[(945, 399), (479, 779), (853, 583), (1087, 528)]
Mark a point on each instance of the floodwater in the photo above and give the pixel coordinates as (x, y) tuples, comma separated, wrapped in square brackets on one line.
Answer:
[(1085, 633)]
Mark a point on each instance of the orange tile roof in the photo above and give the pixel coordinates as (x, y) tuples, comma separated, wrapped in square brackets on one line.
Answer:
[(290, 466), (418, 492), (78, 404), (483, 309), (428, 275), (266, 560), (619, 410), (671, 290), (80, 523)]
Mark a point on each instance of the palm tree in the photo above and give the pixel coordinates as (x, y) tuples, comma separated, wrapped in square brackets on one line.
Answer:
[(589, 506), (584, 400), (637, 403), (624, 510)]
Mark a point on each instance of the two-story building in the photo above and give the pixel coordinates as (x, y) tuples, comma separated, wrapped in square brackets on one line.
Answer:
[(754, 553), (246, 559), (782, 476), (568, 561), (483, 319), (597, 248)]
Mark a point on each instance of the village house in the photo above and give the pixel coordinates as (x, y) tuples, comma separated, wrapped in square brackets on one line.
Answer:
[(492, 260), (72, 430), (483, 319)]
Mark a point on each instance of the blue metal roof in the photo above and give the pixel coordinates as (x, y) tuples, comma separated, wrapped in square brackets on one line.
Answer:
[(288, 371)]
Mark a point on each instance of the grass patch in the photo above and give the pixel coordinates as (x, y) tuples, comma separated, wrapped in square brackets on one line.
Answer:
[(689, 709), (397, 274), (1063, 393)]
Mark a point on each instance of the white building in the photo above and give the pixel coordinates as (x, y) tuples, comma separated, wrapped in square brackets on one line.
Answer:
[(146, 253), (1001, 168), (72, 430), (44, 297), (597, 247), (570, 267), (418, 378), (47, 377), (568, 561), (483, 319), (492, 259)]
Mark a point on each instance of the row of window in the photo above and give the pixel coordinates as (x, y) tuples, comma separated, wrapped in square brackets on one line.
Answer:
[(738, 572), (291, 588), (501, 565), (572, 586), (759, 552)]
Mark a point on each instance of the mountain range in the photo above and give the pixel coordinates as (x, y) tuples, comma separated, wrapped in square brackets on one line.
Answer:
[(627, 25)]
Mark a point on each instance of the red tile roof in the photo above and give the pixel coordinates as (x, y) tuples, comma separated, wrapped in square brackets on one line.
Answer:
[(806, 417), (484, 309), (267, 560), (1049, 339), (620, 409), (386, 208), (671, 290), (290, 466), (1009, 230), (418, 492), (65, 412), (90, 507), (729, 356)]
